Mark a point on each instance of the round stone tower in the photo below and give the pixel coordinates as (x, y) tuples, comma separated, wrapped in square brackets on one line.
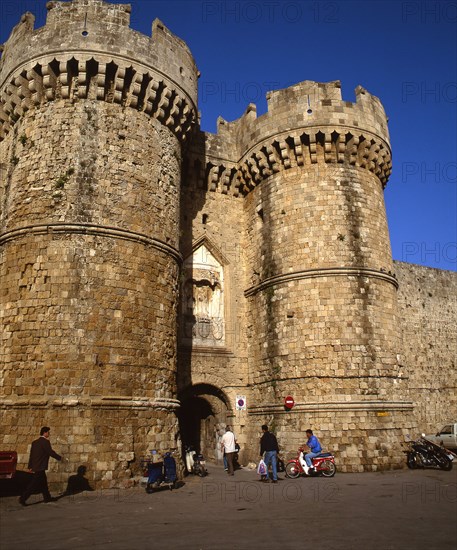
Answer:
[(323, 324), (93, 117)]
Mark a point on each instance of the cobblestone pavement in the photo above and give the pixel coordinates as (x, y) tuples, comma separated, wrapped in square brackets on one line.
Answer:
[(386, 511)]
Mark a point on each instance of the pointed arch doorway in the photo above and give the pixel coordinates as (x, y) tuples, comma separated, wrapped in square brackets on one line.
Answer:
[(204, 412)]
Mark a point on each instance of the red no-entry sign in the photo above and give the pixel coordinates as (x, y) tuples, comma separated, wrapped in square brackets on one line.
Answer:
[(289, 402)]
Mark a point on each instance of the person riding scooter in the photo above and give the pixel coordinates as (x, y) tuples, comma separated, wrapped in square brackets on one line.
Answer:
[(315, 448)]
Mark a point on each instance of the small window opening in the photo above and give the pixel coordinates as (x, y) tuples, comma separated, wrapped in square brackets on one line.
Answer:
[(85, 33)]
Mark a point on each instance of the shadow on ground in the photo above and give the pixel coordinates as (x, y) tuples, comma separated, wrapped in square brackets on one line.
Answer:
[(16, 485)]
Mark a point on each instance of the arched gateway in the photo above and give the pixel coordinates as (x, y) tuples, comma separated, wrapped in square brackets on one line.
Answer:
[(204, 413)]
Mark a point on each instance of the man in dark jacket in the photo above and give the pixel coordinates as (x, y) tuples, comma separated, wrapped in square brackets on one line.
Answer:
[(269, 446), (40, 452)]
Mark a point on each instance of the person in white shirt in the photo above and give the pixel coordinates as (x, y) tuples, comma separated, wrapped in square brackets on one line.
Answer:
[(228, 447)]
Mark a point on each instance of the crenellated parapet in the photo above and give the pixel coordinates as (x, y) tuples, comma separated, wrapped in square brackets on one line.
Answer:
[(104, 78), (76, 56), (294, 149), (210, 164), (305, 124)]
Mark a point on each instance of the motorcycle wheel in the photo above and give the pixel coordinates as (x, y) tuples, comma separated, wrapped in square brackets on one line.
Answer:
[(410, 462), (445, 464), (327, 468), (292, 470), (201, 471)]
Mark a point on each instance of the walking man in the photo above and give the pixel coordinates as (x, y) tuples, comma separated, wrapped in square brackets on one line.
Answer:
[(269, 446), (40, 452), (228, 446)]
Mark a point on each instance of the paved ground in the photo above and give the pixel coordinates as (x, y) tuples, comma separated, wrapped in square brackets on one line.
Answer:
[(380, 511)]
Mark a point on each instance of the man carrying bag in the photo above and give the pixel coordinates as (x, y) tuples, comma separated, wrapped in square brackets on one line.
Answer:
[(269, 447)]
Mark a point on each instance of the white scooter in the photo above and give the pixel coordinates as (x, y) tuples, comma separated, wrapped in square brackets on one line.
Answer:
[(195, 462)]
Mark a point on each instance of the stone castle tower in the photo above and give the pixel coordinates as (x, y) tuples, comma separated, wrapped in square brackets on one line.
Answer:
[(151, 273)]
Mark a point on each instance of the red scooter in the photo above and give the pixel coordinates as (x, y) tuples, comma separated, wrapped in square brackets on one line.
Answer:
[(324, 465)]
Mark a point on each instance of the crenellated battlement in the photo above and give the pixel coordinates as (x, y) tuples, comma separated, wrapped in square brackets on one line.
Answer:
[(76, 56), (308, 104), (305, 124)]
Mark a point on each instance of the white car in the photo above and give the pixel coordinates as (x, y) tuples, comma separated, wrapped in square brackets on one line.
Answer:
[(447, 436)]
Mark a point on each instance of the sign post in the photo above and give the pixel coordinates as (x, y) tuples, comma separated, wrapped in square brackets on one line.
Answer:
[(240, 403), (289, 402)]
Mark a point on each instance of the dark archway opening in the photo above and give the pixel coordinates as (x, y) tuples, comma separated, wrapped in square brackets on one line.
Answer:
[(192, 414), (204, 409)]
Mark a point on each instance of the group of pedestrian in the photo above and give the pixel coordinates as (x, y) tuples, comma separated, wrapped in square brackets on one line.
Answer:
[(41, 451), (268, 446), (269, 450)]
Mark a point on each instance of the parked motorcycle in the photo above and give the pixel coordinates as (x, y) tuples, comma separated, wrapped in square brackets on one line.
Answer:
[(423, 453), (281, 467), (195, 462), (161, 474), (324, 465)]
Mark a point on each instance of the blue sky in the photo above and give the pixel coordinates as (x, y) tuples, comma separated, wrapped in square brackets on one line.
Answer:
[(404, 52)]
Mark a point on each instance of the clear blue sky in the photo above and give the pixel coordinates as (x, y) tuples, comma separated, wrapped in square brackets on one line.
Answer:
[(404, 52)]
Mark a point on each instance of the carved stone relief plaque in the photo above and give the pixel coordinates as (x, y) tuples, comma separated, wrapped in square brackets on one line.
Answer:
[(203, 299)]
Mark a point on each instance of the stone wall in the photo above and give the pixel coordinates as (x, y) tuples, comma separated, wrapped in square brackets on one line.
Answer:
[(91, 153), (323, 313), (428, 310), (321, 305), (216, 220), (109, 437), (89, 265)]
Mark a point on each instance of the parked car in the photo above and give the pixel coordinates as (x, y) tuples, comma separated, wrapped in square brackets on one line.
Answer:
[(8, 461), (447, 436)]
